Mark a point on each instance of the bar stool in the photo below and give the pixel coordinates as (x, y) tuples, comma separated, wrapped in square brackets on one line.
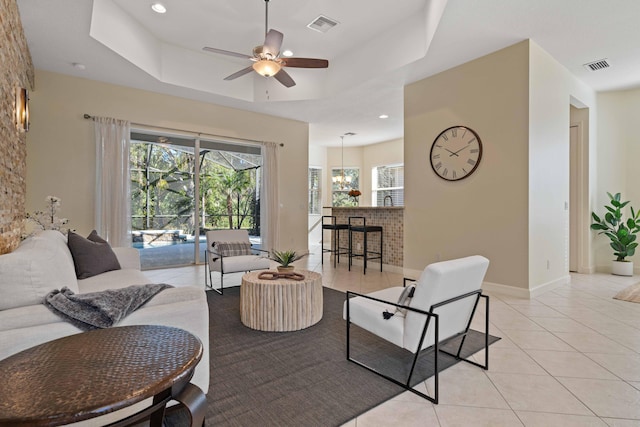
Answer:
[(336, 250), (364, 229)]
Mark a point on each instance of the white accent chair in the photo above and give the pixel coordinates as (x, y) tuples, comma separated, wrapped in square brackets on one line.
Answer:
[(257, 260), (442, 307)]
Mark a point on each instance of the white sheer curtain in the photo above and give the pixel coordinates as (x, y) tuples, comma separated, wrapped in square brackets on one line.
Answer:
[(269, 200), (113, 201)]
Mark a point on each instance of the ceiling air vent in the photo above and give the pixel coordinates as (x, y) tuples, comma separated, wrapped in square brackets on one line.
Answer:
[(597, 65), (322, 24)]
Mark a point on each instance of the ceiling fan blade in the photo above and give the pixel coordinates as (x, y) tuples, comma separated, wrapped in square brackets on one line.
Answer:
[(239, 73), (273, 42), (305, 62), (226, 52), (283, 77)]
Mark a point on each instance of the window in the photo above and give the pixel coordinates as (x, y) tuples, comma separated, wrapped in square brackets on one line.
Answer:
[(340, 191), (387, 181), (315, 193)]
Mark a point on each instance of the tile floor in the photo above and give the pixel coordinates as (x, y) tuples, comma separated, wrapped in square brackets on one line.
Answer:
[(570, 357)]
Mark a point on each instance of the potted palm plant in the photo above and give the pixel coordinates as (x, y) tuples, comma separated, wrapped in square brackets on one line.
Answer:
[(621, 232), (285, 258)]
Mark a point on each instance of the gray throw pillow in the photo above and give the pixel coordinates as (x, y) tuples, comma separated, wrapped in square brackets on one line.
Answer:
[(232, 248), (404, 299), (91, 256)]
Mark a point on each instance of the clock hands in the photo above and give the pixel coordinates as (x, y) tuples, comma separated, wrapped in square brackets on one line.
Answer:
[(456, 152), (452, 153)]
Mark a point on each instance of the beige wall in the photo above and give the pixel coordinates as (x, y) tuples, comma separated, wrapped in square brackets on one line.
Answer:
[(61, 144), (486, 213)]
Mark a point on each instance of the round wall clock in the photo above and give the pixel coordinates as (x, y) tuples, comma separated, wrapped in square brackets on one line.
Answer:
[(456, 153)]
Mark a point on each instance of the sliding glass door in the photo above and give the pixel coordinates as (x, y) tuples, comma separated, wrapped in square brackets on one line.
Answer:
[(162, 200), (176, 195)]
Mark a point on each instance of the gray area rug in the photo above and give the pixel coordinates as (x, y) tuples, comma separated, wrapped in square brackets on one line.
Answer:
[(299, 378)]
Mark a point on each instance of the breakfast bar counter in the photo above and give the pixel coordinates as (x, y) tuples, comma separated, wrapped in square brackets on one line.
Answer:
[(391, 218)]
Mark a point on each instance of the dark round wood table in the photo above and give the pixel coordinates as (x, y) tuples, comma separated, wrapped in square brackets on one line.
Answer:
[(94, 373)]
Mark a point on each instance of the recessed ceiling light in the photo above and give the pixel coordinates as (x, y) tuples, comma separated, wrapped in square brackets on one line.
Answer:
[(158, 8), (383, 116), (287, 53)]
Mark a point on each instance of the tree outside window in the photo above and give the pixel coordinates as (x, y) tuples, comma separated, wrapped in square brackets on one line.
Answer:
[(387, 181), (315, 193)]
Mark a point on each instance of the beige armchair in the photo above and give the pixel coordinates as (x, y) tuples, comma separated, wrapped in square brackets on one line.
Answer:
[(230, 251)]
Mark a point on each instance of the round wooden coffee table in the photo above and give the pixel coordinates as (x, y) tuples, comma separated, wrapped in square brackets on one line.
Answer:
[(281, 305), (94, 373)]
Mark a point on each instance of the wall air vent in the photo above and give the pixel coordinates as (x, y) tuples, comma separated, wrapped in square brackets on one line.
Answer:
[(322, 24), (597, 65)]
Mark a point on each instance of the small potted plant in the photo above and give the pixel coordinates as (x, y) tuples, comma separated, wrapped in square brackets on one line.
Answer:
[(621, 232), (285, 258)]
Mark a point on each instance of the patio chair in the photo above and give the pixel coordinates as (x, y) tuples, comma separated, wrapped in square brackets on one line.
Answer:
[(230, 251), (421, 318)]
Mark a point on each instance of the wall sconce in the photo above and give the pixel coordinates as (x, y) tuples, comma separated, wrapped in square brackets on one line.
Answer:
[(22, 109)]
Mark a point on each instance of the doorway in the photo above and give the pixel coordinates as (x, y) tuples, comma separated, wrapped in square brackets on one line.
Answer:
[(579, 216)]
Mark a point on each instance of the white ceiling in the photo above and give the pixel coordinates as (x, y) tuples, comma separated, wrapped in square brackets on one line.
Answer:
[(377, 48)]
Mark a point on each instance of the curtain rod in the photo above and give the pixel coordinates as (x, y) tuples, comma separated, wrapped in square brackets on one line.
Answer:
[(89, 117)]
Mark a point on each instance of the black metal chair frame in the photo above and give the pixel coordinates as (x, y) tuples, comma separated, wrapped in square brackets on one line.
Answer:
[(364, 229), (207, 270), (436, 347), (335, 239)]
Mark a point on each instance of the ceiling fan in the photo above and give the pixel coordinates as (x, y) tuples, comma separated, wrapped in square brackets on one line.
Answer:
[(266, 58)]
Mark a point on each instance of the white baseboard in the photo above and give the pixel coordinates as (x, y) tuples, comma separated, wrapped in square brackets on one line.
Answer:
[(549, 286), (526, 292), (505, 290)]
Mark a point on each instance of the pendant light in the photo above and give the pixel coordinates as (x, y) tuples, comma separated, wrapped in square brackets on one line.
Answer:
[(341, 179)]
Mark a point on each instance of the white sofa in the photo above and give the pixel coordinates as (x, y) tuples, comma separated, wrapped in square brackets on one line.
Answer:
[(43, 262)]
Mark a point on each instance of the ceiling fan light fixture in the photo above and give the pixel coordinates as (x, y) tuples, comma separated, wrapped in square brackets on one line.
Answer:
[(266, 67)]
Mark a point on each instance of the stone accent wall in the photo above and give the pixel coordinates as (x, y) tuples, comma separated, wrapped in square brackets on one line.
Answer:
[(16, 70)]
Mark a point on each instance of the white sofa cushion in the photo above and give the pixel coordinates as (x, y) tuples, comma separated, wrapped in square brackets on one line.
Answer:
[(40, 264), (235, 264), (114, 279), (27, 316)]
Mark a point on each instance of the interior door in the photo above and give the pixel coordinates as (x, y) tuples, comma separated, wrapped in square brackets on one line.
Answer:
[(573, 196)]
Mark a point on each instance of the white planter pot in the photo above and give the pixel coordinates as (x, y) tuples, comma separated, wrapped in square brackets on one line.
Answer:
[(622, 268)]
